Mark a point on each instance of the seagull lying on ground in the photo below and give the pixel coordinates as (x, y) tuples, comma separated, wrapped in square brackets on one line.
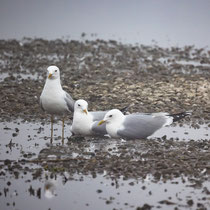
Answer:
[(54, 100), (85, 123), (137, 125)]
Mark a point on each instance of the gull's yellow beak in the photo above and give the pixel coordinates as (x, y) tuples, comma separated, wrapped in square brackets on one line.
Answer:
[(85, 111), (50, 75), (101, 122)]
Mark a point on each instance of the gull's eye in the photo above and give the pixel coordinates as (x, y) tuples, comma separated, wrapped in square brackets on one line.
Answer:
[(110, 115), (79, 105), (55, 70)]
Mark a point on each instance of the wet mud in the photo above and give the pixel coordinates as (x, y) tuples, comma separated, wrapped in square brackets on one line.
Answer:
[(107, 75)]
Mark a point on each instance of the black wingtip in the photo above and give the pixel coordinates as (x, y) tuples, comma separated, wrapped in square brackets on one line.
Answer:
[(124, 109), (179, 116)]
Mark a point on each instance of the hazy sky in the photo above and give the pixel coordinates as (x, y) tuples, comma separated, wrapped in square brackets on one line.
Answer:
[(169, 22)]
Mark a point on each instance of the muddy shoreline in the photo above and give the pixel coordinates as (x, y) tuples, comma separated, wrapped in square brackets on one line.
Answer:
[(107, 75)]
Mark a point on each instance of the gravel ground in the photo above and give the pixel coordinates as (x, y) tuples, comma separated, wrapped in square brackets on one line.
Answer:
[(107, 75)]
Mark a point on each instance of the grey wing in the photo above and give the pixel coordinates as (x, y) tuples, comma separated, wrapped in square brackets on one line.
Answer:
[(99, 115), (99, 130), (137, 126), (69, 101)]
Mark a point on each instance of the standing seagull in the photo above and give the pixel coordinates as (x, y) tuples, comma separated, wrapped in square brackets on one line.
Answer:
[(54, 100), (137, 125)]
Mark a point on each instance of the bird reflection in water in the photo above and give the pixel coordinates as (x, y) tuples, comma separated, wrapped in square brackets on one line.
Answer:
[(49, 189)]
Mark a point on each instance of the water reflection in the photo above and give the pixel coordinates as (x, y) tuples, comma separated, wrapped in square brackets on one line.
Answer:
[(34, 192), (87, 192), (50, 189), (92, 174)]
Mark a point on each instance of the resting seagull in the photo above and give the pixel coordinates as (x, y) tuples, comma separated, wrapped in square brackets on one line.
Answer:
[(54, 100), (86, 123), (137, 125)]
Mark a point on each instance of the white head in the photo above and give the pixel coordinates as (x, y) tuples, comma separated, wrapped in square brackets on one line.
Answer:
[(112, 116), (53, 72), (81, 106)]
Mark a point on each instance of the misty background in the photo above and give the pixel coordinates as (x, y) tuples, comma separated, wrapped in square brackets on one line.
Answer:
[(162, 22)]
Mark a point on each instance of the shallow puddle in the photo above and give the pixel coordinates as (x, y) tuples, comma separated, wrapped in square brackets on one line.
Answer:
[(183, 133), (27, 184), (100, 192), (19, 138), (25, 140)]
